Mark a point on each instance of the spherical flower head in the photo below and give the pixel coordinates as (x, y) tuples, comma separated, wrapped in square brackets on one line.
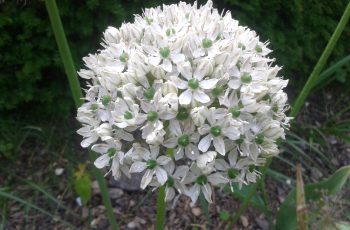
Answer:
[(186, 96)]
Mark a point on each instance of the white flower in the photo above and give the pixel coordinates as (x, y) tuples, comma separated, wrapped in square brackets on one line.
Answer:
[(152, 164), (127, 113), (219, 127), (202, 182), (194, 84), (111, 152), (183, 140), (183, 86)]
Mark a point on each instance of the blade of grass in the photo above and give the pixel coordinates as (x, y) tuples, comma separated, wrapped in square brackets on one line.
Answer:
[(299, 102), (326, 76), (69, 67), (32, 206), (300, 199), (50, 197)]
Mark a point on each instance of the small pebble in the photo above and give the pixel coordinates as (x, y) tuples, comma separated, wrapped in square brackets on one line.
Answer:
[(132, 203), (95, 187), (59, 171), (244, 221), (196, 211), (115, 193), (131, 225)]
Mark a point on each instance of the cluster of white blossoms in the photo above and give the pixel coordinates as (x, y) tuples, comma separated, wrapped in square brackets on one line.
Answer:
[(185, 96)]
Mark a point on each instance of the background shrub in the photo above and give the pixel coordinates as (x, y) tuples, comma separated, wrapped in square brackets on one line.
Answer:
[(33, 84)]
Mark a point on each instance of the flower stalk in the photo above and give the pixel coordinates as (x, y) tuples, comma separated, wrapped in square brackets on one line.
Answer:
[(299, 102), (69, 67), (161, 205)]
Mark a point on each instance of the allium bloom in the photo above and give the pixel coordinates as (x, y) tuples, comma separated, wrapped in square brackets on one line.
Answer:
[(185, 96)]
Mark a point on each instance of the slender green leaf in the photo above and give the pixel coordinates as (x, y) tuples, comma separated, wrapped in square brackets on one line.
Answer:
[(5, 194), (321, 62), (286, 217)]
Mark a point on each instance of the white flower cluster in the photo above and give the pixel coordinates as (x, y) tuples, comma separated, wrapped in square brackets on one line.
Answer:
[(187, 97)]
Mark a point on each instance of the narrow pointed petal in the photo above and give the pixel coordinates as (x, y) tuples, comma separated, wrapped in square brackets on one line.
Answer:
[(219, 145), (204, 144)]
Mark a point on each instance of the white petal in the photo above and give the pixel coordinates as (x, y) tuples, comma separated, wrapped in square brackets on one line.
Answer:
[(204, 144), (154, 60), (206, 189), (219, 145), (88, 141), (147, 178), (232, 157), (167, 66), (161, 175), (137, 166), (234, 84), (175, 128), (231, 133), (102, 161), (193, 193), (177, 57), (192, 152), (179, 154), (170, 143), (208, 84), (169, 194), (180, 171), (185, 97), (221, 164), (186, 70), (200, 96), (163, 160), (217, 178)]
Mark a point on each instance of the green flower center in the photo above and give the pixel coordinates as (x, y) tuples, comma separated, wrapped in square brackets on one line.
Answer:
[(149, 93), (232, 173), (151, 164), (259, 139), (164, 52), (215, 131), (124, 57), (240, 140), (111, 152), (235, 111), (251, 168), (183, 141), (152, 116), (170, 32), (193, 84), (202, 180), (258, 49), (105, 100), (182, 114), (170, 182), (207, 43), (94, 107), (127, 115), (149, 20), (217, 91), (246, 78), (241, 46)]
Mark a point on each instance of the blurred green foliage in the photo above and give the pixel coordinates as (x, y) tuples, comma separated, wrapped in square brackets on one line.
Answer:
[(32, 82)]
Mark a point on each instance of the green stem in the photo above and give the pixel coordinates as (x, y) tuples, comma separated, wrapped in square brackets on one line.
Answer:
[(321, 62), (160, 208), (104, 192), (69, 67), (250, 195), (66, 56)]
